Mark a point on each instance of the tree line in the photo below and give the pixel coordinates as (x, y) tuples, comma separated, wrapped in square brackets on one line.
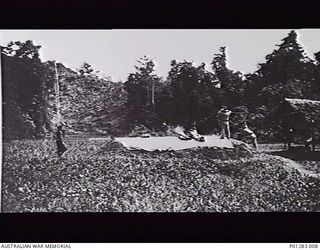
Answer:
[(189, 96)]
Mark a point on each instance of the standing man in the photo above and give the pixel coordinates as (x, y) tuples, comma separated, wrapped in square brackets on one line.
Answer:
[(223, 117), (290, 137), (60, 145)]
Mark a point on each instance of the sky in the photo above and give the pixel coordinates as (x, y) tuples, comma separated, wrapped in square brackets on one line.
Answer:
[(115, 52)]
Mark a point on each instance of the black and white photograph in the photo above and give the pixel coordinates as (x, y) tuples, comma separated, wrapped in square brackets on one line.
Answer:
[(168, 120)]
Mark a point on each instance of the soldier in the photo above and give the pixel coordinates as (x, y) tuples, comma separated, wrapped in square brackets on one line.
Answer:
[(290, 137), (223, 117), (60, 145), (249, 134), (193, 134)]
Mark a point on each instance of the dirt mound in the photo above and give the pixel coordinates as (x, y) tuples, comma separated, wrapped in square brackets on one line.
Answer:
[(100, 148), (239, 151)]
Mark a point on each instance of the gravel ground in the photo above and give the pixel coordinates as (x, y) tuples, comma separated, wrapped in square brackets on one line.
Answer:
[(313, 166), (99, 176), (309, 160)]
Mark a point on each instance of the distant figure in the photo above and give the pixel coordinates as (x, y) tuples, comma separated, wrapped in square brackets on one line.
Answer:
[(289, 137), (223, 117), (315, 137), (59, 135), (249, 134)]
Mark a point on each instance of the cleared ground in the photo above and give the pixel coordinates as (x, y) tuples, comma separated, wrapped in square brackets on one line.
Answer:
[(172, 143)]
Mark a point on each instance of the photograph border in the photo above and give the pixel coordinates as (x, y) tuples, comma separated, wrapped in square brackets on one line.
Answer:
[(159, 227)]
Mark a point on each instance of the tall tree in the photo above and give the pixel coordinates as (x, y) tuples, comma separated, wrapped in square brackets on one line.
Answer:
[(288, 61), (142, 91), (24, 90), (183, 79), (287, 73), (231, 82), (316, 80), (193, 96)]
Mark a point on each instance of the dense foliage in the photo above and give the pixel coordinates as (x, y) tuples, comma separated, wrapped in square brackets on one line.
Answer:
[(24, 92), (102, 176), (287, 73), (189, 96), (88, 103)]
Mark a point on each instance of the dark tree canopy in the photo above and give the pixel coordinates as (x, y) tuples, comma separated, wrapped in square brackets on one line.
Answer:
[(86, 69), (143, 88), (22, 50), (232, 83)]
